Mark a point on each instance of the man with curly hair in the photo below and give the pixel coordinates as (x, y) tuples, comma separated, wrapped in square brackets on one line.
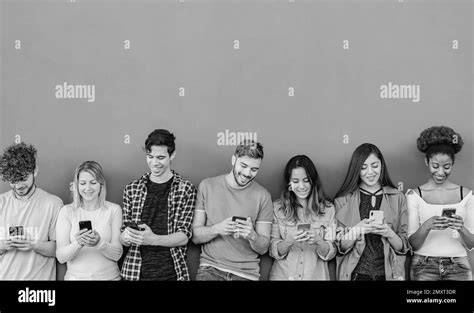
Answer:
[(28, 217)]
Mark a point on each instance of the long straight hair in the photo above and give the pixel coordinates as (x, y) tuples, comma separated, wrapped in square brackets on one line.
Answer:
[(317, 199), (95, 170), (352, 181)]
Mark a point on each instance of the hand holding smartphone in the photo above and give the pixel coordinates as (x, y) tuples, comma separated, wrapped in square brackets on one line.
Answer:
[(235, 219)]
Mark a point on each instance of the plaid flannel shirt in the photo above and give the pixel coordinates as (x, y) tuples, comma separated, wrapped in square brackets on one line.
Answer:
[(181, 201)]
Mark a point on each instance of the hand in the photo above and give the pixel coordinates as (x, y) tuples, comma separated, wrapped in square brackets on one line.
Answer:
[(83, 237), (436, 223), (226, 227), (23, 243), (313, 236), (245, 229), (131, 235), (456, 222), (94, 238), (383, 230), (294, 236), (366, 226), (147, 234), (5, 245)]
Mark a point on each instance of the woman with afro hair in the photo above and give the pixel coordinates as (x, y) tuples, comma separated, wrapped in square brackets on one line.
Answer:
[(440, 213)]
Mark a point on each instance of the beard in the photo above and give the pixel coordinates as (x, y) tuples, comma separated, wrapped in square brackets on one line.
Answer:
[(24, 193), (236, 178)]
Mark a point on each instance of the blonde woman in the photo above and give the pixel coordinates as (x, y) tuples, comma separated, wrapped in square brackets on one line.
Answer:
[(88, 229)]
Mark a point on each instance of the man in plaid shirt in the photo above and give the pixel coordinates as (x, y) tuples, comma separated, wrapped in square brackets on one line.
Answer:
[(157, 216)]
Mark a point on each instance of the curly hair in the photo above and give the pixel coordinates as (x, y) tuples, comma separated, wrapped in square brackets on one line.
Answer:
[(17, 162), (439, 139)]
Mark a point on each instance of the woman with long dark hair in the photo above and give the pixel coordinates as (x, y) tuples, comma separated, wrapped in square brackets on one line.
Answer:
[(372, 214), (441, 213), (302, 238)]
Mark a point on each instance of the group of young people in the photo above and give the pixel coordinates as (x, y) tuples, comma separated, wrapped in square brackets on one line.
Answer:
[(369, 227)]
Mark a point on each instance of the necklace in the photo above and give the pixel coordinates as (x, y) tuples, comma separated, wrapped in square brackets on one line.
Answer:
[(373, 194)]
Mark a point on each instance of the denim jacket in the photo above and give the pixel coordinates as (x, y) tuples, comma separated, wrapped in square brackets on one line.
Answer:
[(302, 261), (394, 206)]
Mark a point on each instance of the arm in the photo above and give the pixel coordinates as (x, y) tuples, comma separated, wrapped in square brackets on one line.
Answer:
[(465, 227), (66, 250), (186, 214), (146, 237), (467, 237), (399, 241), (30, 241), (418, 233), (126, 217), (346, 237), (326, 248), (113, 249), (353, 236), (183, 233), (45, 248), (48, 248), (202, 233), (279, 248), (261, 240)]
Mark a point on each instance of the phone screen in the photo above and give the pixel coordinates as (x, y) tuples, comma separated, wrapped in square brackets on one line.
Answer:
[(448, 212), (234, 218), (16, 230), (85, 225), (378, 215), (304, 226)]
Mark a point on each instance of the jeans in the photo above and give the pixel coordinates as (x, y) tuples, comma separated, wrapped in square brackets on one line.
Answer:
[(439, 268), (212, 273), (362, 277)]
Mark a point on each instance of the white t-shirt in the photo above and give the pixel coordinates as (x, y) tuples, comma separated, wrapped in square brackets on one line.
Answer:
[(439, 243), (38, 216)]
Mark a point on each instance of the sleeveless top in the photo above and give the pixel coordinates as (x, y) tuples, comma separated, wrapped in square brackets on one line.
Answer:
[(439, 243)]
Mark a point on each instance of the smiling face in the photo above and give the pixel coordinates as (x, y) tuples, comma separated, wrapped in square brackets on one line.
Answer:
[(89, 187), (370, 172), (440, 166), (159, 160), (245, 169), (300, 183)]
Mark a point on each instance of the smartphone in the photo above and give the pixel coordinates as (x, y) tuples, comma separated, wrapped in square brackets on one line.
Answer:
[(16, 231), (85, 225), (133, 225), (378, 215), (235, 218), (304, 226), (448, 212)]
